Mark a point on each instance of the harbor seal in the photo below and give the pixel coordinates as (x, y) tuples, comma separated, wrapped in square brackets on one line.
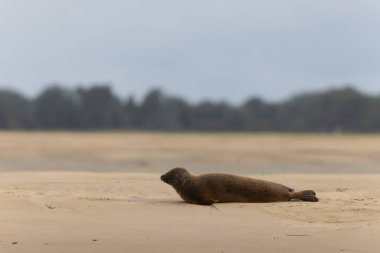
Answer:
[(218, 188)]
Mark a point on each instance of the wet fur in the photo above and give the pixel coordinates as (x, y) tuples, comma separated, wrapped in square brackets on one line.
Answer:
[(217, 188)]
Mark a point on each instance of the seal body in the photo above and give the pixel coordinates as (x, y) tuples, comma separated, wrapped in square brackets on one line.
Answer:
[(218, 188)]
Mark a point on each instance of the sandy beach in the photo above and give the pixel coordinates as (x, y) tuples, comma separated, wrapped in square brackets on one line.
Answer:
[(131, 212), (100, 192)]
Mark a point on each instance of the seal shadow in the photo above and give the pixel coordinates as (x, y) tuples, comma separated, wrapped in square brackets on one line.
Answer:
[(154, 201), (133, 200)]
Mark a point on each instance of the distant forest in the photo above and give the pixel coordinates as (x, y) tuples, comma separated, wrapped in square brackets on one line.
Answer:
[(97, 108)]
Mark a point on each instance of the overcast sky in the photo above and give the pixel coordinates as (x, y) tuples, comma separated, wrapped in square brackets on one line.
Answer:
[(196, 49)]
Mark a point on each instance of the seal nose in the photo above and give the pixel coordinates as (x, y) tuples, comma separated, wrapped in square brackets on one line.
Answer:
[(164, 178)]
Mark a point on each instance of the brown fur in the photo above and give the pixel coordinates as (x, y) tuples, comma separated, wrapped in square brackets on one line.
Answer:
[(217, 188)]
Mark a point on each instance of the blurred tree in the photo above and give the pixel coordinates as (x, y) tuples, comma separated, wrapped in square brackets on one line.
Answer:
[(100, 109), (344, 109), (130, 109), (149, 115), (160, 112), (334, 110), (57, 108), (371, 121), (258, 115), (210, 116), (15, 111), (175, 114)]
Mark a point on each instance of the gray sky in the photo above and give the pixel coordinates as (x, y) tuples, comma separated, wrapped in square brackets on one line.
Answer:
[(196, 49)]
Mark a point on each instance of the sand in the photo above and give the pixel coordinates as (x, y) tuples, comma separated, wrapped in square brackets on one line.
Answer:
[(136, 212), (157, 152), (100, 192)]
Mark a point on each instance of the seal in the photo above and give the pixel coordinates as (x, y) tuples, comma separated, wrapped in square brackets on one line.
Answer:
[(219, 188)]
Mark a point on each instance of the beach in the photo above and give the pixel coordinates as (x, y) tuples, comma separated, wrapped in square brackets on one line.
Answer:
[(75, 206), (129, 212)]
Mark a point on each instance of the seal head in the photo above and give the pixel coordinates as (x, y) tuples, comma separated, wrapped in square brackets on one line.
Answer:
[(175, 177)]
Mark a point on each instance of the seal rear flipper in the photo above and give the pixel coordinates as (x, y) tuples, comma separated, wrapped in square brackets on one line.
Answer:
[(307, 195)]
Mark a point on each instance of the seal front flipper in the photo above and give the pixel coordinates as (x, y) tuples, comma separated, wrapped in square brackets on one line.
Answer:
[(205, 202)]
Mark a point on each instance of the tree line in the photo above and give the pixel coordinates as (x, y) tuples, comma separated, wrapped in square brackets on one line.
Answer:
[(97, 108)]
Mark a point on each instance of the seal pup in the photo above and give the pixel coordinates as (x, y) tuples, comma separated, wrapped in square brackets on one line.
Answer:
[(218, 188)]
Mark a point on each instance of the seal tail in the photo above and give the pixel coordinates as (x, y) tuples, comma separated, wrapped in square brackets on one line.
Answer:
[(307, 195)]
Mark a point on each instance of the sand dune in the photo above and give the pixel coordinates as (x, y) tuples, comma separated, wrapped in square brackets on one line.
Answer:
[(131, 212)]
